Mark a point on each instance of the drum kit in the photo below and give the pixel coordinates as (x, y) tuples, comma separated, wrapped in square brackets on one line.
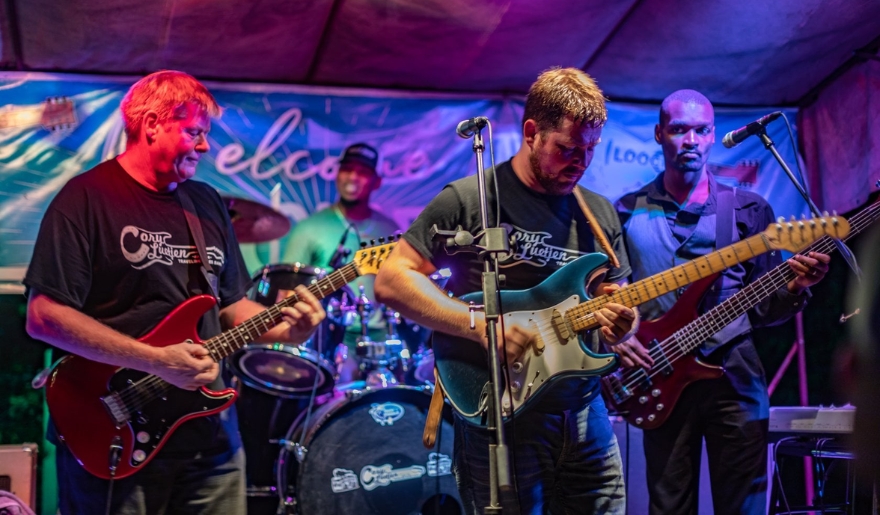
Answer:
[(316, 442)]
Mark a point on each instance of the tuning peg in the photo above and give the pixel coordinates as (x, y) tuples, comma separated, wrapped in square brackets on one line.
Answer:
[(825, 214), (381, 240), (363, 244)]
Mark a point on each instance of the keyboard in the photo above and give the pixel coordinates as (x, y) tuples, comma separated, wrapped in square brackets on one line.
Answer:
[(809, 420)]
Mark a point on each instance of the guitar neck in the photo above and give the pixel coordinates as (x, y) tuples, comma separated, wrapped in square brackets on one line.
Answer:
[(582, 316), (695, 333), (21, 117), (226, 343)]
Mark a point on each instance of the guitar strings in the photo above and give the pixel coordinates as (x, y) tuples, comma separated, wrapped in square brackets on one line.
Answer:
[(587, 309), (777, 277)]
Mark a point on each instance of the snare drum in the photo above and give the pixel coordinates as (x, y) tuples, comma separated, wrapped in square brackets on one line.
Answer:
[(364, 455), (289, 371)]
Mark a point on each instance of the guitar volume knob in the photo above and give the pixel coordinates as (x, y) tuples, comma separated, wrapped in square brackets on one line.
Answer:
[(515, 386), (643, 399), (639, 420), (655, 392), (138, 455), (516, 367), (660, 407)]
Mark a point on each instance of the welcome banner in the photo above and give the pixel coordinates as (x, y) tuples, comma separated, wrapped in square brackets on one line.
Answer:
[(287, 139)]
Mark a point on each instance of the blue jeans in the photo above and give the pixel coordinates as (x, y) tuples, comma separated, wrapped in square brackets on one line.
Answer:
[(566, 462), (203, 485)]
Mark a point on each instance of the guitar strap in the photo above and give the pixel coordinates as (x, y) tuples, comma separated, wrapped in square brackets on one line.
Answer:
[(435, 410), (725, 229), (724, 214), (195, 229), (598, 233)]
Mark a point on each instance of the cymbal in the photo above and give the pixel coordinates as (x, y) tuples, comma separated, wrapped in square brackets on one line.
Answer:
[(254, 222)]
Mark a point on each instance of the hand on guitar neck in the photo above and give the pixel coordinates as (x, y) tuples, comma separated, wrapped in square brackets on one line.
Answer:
[(809, 269), (616, 321)]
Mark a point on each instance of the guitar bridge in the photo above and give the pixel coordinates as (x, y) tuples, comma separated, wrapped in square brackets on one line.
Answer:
[(116, 408)]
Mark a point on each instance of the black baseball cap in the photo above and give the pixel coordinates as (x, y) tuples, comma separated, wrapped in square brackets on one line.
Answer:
[(360, 153)]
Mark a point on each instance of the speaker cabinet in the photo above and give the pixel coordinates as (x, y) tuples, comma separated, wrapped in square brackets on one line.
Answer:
[(18, 471)]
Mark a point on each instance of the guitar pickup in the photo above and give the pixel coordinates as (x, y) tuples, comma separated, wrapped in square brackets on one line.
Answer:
[(560, 326), (661, 363), (116, 408)]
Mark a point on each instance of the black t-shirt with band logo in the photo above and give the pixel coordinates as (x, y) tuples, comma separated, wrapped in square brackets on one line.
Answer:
[(123, 255), (549, 232)]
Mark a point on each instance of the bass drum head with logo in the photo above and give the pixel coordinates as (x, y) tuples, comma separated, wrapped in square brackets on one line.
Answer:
[(365, 456)]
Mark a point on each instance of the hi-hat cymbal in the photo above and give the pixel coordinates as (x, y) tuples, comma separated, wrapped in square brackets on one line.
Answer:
[(254, 222)]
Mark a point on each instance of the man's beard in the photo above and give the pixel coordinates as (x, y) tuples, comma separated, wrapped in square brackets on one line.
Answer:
[(550, 184)]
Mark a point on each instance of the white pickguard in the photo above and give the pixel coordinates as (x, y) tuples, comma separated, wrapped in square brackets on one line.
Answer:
[(559, 354)]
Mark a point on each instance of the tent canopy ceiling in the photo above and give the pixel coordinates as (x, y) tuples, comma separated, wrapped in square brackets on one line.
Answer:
[(747, 52)]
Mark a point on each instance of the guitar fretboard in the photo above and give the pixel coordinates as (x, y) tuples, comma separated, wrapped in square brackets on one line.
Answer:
[(692, 335), (20, 117), (226, 343), (582, 316)]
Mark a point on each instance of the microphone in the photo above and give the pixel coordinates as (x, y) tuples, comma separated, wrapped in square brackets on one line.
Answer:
[(340, 251), (468, 127), (734, 138)]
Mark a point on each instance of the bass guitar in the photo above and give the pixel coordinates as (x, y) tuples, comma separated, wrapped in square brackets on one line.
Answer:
[(114, 420), (559, 310), (645, 398)]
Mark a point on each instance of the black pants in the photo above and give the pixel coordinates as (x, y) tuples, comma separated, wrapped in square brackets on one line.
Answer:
[(731, 414)]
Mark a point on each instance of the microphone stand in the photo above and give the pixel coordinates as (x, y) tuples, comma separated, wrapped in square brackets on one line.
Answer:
[(847, 254), (492, 241)]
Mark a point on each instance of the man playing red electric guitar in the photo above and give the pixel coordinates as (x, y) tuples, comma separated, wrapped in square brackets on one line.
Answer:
[(115, 254)]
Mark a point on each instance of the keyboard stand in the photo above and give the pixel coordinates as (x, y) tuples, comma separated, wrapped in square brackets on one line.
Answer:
[(821, 448)]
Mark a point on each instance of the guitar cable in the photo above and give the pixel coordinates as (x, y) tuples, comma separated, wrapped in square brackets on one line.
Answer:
[(113, 458)]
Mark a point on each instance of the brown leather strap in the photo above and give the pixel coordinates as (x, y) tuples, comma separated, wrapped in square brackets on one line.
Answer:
[(435, 410), (598, 233)]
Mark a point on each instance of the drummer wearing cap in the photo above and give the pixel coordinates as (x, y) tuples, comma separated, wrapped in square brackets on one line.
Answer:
[(318, 239)]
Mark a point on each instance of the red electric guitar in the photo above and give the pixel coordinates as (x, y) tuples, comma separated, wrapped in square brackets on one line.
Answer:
[(646, 398), (107, 414)]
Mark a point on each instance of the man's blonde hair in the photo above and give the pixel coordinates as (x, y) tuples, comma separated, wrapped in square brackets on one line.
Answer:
[(166, 93), (562, 92)]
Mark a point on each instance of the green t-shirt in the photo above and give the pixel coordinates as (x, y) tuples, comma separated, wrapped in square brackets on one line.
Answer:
[(314, 240)]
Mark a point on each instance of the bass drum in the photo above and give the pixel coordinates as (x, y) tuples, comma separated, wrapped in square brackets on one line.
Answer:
[(364, 455)]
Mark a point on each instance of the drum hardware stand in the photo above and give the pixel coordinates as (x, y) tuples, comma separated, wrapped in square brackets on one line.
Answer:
[(492, 241)]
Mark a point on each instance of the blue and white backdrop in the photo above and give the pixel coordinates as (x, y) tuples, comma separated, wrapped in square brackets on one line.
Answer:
[(288, 138)]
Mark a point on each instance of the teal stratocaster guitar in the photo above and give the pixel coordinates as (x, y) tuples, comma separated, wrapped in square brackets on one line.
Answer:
[(559, 311)]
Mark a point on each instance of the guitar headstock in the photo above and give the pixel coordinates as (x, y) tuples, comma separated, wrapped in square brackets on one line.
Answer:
[(369, 259), (795, 235), (58, 113)]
